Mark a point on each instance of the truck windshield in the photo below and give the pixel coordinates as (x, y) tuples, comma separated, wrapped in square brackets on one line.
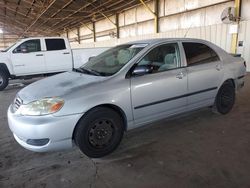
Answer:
[(112, 60)]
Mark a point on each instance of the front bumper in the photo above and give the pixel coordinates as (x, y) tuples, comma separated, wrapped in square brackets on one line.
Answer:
[(56, 131)]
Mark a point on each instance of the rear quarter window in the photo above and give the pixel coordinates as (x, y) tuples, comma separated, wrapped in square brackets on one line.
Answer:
[(198, 53), (55, 44)]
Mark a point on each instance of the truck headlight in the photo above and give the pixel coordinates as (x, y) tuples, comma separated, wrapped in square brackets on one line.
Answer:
[(42, 107)]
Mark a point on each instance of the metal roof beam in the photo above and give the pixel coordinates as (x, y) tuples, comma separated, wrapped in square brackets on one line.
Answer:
[(86, 5), (59, 10), (43, 11)]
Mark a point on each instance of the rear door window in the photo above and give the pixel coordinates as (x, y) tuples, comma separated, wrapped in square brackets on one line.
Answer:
[(198, 53), (55, 44)]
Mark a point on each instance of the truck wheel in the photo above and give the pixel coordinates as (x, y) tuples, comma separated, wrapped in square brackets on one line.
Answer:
[(4, 80), (99, 132), (225, 98)]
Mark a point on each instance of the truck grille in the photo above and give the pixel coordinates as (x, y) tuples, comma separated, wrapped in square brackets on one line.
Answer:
[(17, 103)]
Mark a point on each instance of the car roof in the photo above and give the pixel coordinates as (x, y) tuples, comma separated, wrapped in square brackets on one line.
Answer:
[(157, 40), (31, 38)]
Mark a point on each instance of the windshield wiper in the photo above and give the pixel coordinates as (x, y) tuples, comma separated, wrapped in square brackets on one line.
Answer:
[(90, 71), (87, 71), (78, 70)]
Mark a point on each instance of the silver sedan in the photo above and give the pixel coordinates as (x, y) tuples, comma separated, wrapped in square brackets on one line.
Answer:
[(125, 87)]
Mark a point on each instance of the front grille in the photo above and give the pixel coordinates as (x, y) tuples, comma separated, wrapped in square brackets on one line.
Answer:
[(17, 103)]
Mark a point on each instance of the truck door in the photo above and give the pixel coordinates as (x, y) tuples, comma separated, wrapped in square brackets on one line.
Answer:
[(58, 57), (28, 58)]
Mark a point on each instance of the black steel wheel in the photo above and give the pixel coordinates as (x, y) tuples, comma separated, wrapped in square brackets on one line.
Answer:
[(4, 80), (99, 132), (225, 98)]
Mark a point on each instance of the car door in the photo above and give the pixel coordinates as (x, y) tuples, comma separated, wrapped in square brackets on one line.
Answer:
[(28, 58), (160, 92), (57, 57), (204, 70)]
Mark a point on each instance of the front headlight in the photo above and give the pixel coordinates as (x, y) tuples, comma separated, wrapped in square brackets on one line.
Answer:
[(42, 107)]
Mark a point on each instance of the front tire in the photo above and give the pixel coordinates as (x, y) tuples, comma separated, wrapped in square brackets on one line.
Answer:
[(99, 132), (225, 98), (4, 80)]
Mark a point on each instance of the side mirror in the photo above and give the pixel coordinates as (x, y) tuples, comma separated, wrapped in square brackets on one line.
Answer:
[(24, 49), (141, 70)]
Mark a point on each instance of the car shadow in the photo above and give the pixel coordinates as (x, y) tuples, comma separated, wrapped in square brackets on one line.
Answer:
[(151, 137)]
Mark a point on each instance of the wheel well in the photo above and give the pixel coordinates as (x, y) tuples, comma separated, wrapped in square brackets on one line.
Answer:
[(117, 109), (111, 106), (5, 68), (230, 81)]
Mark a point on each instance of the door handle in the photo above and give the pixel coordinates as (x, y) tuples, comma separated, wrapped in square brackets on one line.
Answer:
[(65, 52), (39, 54), (21, 65), (180, 75)]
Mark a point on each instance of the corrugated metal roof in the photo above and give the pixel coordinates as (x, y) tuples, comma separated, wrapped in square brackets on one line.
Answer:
[(51, 17)]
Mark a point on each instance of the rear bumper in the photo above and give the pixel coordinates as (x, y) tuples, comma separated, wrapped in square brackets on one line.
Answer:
[(240, 82)]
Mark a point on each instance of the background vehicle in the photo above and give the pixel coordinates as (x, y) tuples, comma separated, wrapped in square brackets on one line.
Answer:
[(31, 57), (123, 88)]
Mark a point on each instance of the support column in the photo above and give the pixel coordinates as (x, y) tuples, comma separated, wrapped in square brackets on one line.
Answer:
[(156, 16), (155, 13), (237, 5), (78, 36), (94, 34), (67, 33), (117, 26)]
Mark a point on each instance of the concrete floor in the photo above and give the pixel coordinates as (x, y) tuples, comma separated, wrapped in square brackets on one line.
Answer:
[(201, 149)]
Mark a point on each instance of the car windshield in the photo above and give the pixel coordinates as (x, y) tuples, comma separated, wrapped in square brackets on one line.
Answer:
[(112, 60)]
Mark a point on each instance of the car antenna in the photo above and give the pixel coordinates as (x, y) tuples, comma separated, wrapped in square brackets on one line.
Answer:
[(188, 29)]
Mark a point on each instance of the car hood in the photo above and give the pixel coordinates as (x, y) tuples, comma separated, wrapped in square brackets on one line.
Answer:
[(58, 86)]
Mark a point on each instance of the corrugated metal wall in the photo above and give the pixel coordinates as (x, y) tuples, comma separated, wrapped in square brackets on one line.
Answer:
[(244, 36), (173, 15), (217, 34), (199, 19)]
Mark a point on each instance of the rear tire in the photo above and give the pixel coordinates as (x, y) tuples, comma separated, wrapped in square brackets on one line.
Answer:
[(225, 98), (99, 132), (4, 80)]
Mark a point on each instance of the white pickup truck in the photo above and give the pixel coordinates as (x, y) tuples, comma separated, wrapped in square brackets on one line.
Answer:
[(31, 57)]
